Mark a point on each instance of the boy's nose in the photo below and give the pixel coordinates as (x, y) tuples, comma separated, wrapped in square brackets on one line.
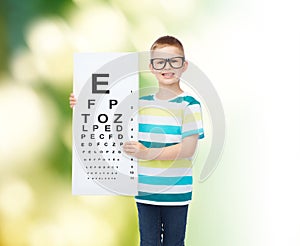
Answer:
[(168, 66)]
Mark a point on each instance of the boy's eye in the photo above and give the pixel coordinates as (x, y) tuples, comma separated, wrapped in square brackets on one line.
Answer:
[(175, 60)]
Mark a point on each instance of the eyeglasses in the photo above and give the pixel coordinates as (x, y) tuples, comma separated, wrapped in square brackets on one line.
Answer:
[(160, 63)]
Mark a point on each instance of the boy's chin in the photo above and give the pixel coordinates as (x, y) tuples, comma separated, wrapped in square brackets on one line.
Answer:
[(168, 81)]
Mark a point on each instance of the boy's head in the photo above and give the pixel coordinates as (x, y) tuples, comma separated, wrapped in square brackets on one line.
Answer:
[(167, 60)]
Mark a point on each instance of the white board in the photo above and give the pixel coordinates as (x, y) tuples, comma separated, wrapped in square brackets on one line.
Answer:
[(105, 116)]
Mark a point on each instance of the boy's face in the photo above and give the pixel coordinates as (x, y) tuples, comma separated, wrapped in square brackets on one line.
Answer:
[(168, 72)]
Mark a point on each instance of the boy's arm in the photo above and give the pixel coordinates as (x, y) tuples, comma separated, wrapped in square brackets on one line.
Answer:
[(184, 149)]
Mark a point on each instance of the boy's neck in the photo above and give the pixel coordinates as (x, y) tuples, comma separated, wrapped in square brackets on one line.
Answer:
[(169, 91)]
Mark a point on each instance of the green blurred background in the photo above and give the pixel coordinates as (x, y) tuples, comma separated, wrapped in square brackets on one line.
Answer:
[(231, 41), (38, 39)]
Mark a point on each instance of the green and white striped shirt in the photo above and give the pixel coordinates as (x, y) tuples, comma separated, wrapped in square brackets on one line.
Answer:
[(164, 123)]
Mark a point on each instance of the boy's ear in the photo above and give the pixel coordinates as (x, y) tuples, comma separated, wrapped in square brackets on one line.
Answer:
[(185, 66), (151, 68)]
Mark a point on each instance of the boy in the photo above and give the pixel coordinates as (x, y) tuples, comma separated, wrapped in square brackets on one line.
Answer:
[(170, 124)]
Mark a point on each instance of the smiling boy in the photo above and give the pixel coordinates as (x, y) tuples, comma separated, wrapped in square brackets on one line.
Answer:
[(170, 124)]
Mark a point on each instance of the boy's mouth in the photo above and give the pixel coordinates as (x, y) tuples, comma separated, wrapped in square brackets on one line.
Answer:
[(168, 75)]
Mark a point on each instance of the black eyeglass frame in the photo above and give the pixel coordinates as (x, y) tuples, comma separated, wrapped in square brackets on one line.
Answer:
[(167, 60)]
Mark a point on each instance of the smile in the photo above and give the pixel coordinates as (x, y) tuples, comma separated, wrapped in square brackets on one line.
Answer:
[(168, 75)]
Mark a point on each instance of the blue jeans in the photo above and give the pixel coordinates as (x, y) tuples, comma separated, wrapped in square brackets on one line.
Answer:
[(162, 225)]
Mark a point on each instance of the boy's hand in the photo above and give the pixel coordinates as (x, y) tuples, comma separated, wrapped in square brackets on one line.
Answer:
[(73, 100), (184, 149), (136, 149)]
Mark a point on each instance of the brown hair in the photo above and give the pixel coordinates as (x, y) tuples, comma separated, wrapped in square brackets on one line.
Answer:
[(167, 41)]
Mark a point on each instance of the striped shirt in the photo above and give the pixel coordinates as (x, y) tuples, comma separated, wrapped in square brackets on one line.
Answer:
[(164, 123)]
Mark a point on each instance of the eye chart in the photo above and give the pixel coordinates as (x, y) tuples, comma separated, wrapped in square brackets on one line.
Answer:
[(104, 118)]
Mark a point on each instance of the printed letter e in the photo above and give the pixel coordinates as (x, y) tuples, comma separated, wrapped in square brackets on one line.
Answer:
[(96, 83)]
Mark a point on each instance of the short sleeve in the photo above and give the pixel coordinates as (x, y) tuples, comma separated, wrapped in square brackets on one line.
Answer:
[(192, 120)]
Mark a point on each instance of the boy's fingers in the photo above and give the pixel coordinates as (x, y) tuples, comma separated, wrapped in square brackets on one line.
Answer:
[(72, 104), (129, 152), (129, 148), (73, 100), (129, 143)]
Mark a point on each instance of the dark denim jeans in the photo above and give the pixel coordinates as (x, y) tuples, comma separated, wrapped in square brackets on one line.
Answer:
[(162, 225)]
